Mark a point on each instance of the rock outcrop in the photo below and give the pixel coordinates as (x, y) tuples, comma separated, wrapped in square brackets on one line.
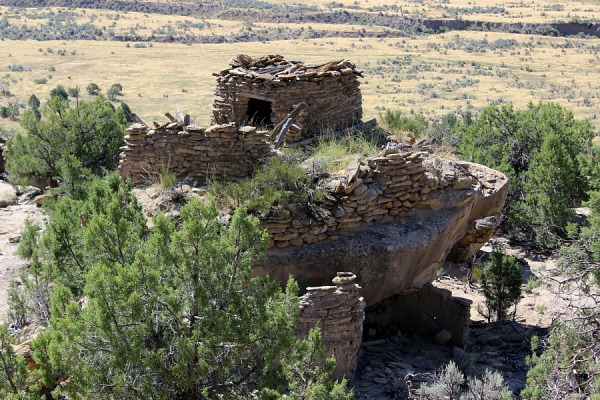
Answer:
[(394, 246), (8, 195), (392, 220)]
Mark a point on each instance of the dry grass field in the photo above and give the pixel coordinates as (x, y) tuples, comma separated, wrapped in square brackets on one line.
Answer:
[(427, 74)]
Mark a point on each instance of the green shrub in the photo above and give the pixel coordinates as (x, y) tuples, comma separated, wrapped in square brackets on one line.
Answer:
[(114, 91), (92, 132), (277, 185), (543, 150), (450, 383), (565, 365), (29, 238), (16, 68), (501, 282), (59, 91), (93, 89), (40, 81), (397, 122), (171, 313), (13, 370), (336, 154)]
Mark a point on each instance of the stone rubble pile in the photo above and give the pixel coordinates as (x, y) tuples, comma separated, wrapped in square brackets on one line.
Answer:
[(393, 184), (220, 152), (331, 91), (338, 311)]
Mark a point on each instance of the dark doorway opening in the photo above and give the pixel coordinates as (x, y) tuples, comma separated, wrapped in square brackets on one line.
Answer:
[(259, 113)]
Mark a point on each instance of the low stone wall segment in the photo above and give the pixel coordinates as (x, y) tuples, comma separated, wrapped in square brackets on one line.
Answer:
[(221, 152)]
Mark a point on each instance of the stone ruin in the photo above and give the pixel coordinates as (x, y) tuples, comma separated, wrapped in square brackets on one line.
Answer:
[(392, 220), (263, 91), (223, 152), (339, 312)]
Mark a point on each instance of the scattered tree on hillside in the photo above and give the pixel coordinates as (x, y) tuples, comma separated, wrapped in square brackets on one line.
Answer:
[(114, 91), (12, 110), (127, 112), (59, 91), (74, 92), (93, 89), (34, 105)]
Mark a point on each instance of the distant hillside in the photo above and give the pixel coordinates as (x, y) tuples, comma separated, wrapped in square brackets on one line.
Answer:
[(261, 11)]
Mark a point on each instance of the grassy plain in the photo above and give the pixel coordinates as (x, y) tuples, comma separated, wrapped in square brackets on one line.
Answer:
[(427, 74)]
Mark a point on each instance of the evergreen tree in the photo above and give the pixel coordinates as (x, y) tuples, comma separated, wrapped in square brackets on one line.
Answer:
[(501, 281), (542, 150), (567, 364), (92, 132), (13, 370), (59, 92), (168, 314), (93, 89)]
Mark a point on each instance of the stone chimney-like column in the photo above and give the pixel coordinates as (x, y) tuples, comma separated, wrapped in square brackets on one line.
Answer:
[(339, 312)]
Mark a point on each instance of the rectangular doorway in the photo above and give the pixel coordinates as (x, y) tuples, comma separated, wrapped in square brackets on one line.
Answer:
[(259, 113)]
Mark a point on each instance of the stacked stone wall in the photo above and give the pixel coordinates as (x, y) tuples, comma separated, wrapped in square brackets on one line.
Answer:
[(427, 311), (391, 185), (219, 152), (338, 311), (333, 98)]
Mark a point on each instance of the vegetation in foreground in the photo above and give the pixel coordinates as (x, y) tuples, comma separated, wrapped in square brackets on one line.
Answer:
[(566, 365), (162, 314)]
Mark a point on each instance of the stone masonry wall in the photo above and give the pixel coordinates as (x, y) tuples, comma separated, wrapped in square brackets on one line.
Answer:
[(339, 312), (390, 185), (427, 311), (333, 98), (221, 151)]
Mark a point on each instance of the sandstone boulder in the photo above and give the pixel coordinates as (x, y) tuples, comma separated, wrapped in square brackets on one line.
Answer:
[(8, 195)]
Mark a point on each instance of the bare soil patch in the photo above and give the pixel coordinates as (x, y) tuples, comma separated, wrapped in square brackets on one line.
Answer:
[(12, 220)]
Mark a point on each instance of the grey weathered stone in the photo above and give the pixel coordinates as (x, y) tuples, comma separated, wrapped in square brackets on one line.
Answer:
[(442, 337)]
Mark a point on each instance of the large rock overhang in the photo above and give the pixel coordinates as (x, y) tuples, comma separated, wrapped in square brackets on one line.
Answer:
[(391, 258)]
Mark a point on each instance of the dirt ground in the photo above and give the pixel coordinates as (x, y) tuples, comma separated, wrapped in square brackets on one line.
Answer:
[(392, 363), (12, 220)]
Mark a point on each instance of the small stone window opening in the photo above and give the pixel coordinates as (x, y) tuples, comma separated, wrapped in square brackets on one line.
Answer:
[(259, 113)]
